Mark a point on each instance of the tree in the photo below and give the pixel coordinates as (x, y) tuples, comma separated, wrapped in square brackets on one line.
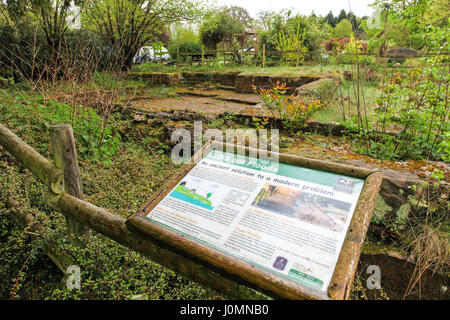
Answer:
[(436, 14), (240, 14), (343, 29), (4, 16), (267, 20), (184, 39), (54, 17), (330, 19), (264, 21), (219, 27), (282, 27), (407, 23), (342, 15), (181, 33), (127, 25), (293, 43), (353, 20)]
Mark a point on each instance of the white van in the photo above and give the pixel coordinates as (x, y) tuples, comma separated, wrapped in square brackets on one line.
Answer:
[(147, 53)]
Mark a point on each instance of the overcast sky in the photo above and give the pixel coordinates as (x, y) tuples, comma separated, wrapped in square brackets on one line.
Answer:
[(320, 7)]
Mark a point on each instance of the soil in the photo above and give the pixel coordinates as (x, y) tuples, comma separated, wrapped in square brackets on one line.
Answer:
[(395, 277)]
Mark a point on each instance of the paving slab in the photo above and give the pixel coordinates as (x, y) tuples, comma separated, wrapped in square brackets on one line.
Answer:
[(208, 103)]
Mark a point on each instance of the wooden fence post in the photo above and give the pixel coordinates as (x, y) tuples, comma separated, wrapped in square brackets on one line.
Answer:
[(203, 54), (264, 56), (66, 160), (224, 54)]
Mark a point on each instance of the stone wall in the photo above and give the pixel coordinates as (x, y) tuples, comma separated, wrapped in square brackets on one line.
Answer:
[(243, 83), (240, 83)]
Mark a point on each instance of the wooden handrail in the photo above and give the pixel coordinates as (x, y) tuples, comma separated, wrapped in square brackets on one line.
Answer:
[(114, 227), (42, 168)]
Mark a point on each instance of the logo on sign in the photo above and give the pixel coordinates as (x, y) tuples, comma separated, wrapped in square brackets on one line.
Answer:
[(280, 263), (345, 185)]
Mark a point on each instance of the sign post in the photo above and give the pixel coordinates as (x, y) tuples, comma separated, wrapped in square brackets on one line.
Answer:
[(292, 228)]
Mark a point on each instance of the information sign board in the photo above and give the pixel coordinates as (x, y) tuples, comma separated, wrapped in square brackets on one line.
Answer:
[(283, 220)]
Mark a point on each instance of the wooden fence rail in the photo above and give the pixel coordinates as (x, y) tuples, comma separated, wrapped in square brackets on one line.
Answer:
[(43, 169), (114, 227)]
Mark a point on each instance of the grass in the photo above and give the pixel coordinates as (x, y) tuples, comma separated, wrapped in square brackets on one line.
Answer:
[(428, 241), (306, 70), (344, 101)]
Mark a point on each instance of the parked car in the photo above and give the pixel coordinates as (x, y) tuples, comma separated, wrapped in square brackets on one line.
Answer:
[(249, 49), (147, 53)]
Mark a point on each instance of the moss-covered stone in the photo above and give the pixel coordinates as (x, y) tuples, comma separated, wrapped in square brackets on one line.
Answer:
[(402, 215), (381, 209)]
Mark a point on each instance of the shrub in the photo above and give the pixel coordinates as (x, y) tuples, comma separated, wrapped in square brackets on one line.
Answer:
[(270, 40), (310, 32), (98, 137), (294, 45), (293, 110), (219, 27), (339, 44), (25, 55), (343, 29), (19, 49), (183, 48), (414, 105)]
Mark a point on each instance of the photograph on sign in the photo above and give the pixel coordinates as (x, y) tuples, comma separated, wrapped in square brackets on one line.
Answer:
[(286, 219)]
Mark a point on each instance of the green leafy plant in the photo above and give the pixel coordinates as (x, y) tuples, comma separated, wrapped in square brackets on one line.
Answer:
[(444, 148), (98, 138), (292, 46), (415, 104), (179, 51), (260, 123), (411, 121), (293, 110)]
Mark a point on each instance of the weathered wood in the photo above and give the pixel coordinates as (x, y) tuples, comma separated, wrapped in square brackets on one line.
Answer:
[(60, 257), (264, 280), (65, 156), (244, 272), (264, 55), (300, 161), (114, 227), (203, 54), (342, 279), (43, 169)]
